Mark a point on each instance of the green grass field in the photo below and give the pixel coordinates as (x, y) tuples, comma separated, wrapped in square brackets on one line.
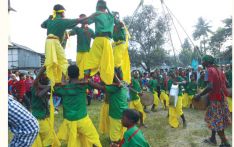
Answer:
[(159, 133)]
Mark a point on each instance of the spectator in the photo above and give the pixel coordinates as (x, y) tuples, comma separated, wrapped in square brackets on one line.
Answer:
[(20, 91), (11, 84), (22, 124), (17, 75), (28, 85)]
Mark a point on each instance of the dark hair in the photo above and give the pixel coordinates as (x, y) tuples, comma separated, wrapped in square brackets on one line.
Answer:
[(58, 7), (132, 115), (119, 73), (73, 71), (82, 15), (21, 75)]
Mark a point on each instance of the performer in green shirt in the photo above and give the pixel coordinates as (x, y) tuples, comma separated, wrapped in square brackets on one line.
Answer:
[(117, 104), (100, 57), (77, 128), (40, 109), (120, 48), (135, 102), (84, 35), (133, 137), (153, 84), (191, 89)]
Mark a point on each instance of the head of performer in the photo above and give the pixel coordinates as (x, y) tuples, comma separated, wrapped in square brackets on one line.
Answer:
[(116, 14), (177, 72), (73, 72), (84, 24), (135, 74), (192, 77), (101, 6), (130, 118), (44, 80), (59, 10), (208, 61), (119, 74)]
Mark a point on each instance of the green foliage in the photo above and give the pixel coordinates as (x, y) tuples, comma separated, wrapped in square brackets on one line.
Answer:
[(201, 33), (147, 38), (185, 56)]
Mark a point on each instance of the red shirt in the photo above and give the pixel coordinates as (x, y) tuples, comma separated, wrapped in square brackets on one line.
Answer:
[(20, 88), (217, 79), (28, 84)]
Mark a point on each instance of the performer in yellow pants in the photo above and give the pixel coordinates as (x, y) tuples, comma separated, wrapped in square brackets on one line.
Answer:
[(84, 35), (40, 110), (120, 48), (191, 90), (100, 57), (176, 112), (77, 128), (135, 102), (164, 99), (153, 84), (104, 124), (55, 60), (229, 99), (117, 104)]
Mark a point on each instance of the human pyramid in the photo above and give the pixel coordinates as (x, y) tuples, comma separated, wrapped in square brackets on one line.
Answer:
[(111, 61)]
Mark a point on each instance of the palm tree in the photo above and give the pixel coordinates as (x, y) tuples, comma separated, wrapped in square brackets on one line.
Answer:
[(202, 30)]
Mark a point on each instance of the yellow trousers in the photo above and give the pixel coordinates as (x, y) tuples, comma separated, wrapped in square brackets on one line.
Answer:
[(156, 99), (100, 58), (55, 60), (46, 136), (185, 100), (80, 133), (136, 104), (190, 99), (121, 59), (104, 124), (175, 113), (81, 59), (164, 97), (116, 129), (229, 99)]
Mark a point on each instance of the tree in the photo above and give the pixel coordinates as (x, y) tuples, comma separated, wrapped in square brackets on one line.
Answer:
[(202, 31), (221, 35), (147, 38), (186, 53)]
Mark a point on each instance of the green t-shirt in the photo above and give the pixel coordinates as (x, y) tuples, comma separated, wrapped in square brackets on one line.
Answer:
[(136, 86), (73, 101), (119, 33), (83, 38), (104, 22), (201, 83), (40, 108), (191, 88), (153, 85), (117, 101), (138, 140), (229, 77), (58, 26)]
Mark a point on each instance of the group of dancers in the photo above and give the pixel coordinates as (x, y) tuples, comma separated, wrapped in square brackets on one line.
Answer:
[(111, 60)]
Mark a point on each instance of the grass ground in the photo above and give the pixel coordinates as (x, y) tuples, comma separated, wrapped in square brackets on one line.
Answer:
[(159, 133)]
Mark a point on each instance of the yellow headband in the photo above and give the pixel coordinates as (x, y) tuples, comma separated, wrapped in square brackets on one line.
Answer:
[(58, 11)]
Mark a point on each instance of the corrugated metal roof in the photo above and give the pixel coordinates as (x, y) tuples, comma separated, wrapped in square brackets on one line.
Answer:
[(18, 46)]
